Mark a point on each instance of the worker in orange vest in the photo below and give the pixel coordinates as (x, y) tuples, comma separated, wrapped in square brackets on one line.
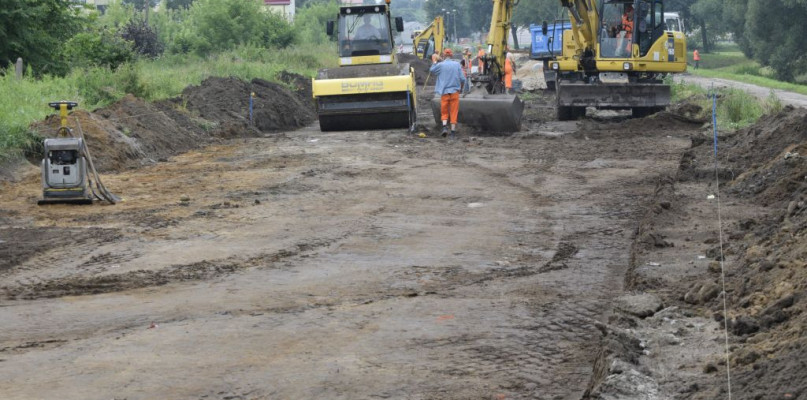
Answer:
[(626, 34), (697, 57), (479, 55), (509, 69)]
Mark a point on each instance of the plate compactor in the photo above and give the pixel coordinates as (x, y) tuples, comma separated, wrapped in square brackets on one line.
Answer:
[(65, 177)]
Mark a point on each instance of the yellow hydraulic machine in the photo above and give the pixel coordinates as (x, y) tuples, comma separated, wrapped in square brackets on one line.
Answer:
[(430, 40), (370, 89), (488, 106), (616, 56)]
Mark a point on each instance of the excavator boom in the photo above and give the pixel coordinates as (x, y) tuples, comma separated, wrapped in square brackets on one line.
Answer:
[(430, 40), (488, 107)]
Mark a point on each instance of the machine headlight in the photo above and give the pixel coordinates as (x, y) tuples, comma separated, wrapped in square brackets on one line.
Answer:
[(555, 66), (627, 66), (376, 9), (347, 11)]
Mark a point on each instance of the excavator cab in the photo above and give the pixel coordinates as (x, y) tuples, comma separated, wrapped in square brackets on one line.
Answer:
[(625, 23)]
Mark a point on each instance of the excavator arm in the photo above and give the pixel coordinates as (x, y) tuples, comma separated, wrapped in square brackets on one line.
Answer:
[(497, 45), (436, 31), (488, 107)]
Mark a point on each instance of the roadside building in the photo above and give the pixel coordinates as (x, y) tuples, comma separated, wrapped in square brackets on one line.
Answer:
[(282, 7)]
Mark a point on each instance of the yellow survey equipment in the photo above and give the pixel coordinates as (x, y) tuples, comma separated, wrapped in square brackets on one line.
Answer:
[(616, 56), (430, 40), (370, 89)]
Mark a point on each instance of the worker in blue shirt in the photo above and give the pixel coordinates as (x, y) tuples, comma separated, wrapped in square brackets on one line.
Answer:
[(449, 85)]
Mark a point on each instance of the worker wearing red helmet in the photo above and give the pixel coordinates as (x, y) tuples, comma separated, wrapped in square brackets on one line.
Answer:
[(449, 84)]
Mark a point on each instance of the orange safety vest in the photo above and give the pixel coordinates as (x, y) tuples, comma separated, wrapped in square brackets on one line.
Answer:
[(696, 56), (508, 73), (481, 63), (627, 25)]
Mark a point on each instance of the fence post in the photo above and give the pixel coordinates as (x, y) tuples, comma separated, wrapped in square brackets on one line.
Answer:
[(19, 68)]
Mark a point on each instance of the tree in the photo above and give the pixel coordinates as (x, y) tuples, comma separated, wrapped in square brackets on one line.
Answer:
[(775, 33), (140, 4), (223, 24), (529, 12), (143, 37), (310, 21), (36, 30), (177, 4)]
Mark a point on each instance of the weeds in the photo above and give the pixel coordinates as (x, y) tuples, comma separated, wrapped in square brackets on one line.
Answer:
[(25, 101)]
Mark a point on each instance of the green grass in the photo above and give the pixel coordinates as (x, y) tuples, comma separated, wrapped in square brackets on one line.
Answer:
[(728, 62), (24, 102), (735, 108)]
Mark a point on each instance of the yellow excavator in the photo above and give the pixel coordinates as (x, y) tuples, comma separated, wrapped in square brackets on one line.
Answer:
[(488, 106), (615, 57), (430, 40), (370, 89)]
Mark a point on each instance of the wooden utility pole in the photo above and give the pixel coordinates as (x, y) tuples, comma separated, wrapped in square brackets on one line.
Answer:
[(19, 68)]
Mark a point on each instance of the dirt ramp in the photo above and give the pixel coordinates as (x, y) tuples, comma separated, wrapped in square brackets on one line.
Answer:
[(226, 101), (421, 66)]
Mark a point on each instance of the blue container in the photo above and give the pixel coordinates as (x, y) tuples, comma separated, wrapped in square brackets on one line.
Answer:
[(546, 47)]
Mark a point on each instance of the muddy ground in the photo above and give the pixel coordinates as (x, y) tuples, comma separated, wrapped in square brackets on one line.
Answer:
[(568, 260)]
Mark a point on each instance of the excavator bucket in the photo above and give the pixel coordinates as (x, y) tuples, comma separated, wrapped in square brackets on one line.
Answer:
[(365, 97), (487, 112)]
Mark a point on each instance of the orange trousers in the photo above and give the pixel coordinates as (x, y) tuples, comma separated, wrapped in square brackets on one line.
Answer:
[(450, 107)]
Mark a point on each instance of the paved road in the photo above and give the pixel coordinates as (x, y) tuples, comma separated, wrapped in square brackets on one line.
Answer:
[(791, 98)]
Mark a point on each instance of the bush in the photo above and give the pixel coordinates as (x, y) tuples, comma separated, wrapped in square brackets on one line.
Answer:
[(101, 86), (738, 107), (217, 25), (144, 38), (310, 21), (98, 47)]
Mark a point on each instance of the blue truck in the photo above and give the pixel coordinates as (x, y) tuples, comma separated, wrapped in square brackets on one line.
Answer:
[(547, 46)]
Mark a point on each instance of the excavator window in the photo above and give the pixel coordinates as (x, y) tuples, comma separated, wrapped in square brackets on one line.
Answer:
[(617, 24), (364, 34)]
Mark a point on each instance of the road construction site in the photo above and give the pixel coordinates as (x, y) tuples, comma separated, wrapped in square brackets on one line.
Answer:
[(568, 260)]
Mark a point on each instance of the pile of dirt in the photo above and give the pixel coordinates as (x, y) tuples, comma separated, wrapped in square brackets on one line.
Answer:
[(531, 74), (127, 134), (226, 101), (132, 132), (421, 66), (762, 168)]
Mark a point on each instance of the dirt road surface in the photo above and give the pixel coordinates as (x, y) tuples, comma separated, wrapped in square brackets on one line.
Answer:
[(350, 265)]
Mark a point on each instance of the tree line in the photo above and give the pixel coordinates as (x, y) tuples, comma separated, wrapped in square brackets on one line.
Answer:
[(53, 36)]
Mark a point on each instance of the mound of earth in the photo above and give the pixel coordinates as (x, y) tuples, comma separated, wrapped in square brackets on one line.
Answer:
[(421, 67), (226, 101), (132, 132), (763, 173), (764, 162)]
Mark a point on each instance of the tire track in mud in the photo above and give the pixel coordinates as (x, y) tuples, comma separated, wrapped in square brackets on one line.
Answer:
[(198, 271)]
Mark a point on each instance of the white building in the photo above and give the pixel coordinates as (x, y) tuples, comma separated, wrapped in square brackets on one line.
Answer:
[(282, 7)]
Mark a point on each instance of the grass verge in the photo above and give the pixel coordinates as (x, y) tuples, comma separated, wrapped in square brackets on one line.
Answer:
[(728, 62), (735, 108), (25, 101)]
